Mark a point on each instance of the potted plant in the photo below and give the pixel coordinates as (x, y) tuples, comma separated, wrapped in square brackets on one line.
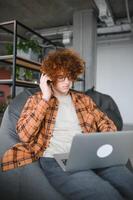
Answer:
[(28, 49)]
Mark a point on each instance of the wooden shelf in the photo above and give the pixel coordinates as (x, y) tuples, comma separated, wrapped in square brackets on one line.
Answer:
[(20, 83), (21, 62)]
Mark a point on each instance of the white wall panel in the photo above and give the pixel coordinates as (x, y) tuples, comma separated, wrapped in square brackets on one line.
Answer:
[(115, 74)]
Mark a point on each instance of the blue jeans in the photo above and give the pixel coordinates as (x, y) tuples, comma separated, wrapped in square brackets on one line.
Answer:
[(114, 183)]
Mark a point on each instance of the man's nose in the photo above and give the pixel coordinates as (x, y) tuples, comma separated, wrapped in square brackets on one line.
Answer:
[(66, 80)]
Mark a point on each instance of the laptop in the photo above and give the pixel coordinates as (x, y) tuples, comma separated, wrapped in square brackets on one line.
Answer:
[(97, 150)]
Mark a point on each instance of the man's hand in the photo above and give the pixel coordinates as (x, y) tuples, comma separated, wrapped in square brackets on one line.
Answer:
[(45, 87)]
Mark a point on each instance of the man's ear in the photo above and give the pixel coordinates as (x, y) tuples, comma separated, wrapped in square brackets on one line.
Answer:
[(49, 82)]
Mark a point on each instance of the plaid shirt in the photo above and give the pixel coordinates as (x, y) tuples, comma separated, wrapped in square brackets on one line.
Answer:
[(36, 123)]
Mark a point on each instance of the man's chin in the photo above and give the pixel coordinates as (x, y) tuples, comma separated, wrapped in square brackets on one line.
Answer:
[(65, 91)]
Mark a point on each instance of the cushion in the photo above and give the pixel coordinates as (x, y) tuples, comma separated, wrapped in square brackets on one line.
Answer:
[(107, 105), (16, 107)]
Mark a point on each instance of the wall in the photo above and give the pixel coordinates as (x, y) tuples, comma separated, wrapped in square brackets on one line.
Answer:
[(115, 74), (5, 74)]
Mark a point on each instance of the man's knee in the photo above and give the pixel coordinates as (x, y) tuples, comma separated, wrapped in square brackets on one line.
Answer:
[(107, 191)]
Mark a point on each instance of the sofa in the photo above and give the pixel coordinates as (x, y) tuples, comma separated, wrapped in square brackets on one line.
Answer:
[(28, 182)]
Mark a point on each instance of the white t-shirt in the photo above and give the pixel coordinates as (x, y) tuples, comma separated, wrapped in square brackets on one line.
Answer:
[(66, 126)]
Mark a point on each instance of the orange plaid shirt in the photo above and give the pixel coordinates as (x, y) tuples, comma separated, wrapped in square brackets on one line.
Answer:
[(36, 123)]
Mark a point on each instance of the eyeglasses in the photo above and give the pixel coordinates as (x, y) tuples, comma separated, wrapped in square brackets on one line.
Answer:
[(62, 78)]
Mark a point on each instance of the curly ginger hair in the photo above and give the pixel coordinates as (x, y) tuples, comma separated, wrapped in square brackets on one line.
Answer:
[(63, 61)]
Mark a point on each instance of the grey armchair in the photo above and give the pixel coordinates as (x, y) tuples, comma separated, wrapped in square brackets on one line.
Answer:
[(28, 182)]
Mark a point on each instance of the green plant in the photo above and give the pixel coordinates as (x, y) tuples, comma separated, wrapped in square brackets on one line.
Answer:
[(28, 75), (25, 45)]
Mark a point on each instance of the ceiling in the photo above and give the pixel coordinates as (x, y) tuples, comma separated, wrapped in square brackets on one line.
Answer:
[(119, 8), (39, 14), (115, 16), (42, 13)]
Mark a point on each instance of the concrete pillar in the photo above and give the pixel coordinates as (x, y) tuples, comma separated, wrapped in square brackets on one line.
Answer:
[(84, 42)]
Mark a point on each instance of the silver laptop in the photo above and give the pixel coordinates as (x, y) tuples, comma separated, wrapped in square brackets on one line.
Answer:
[(97, 150)]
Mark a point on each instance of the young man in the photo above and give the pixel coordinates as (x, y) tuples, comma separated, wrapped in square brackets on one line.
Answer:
[(47, 124)]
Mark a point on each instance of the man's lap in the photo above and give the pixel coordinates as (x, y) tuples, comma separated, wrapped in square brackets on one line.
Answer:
[(120, 177), (91, 183)]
